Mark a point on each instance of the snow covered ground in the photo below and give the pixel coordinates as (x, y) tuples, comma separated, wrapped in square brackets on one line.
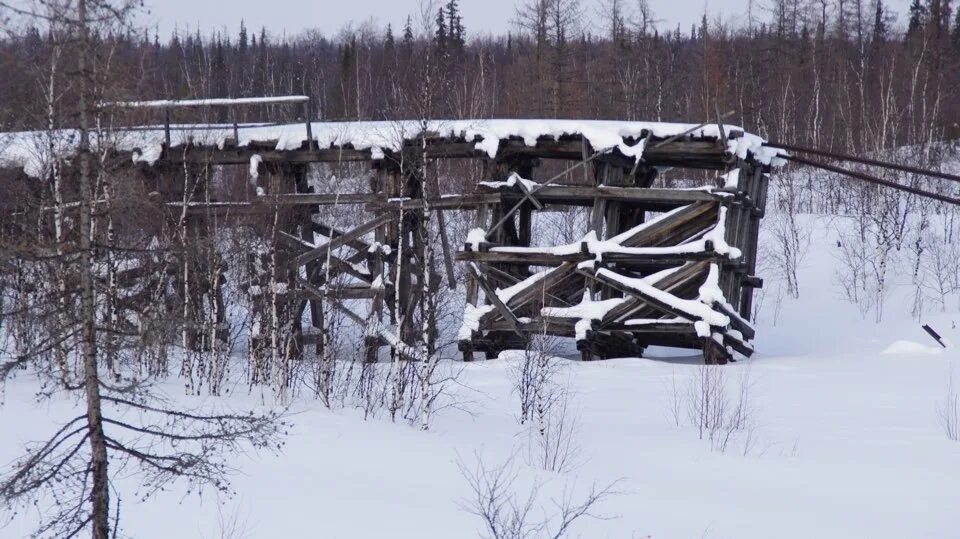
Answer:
[(845, 441)]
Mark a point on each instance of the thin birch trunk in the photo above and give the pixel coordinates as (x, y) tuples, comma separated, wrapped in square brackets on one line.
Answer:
[(99, 491)]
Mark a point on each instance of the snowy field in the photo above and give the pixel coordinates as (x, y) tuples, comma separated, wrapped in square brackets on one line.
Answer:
[(844, 440)]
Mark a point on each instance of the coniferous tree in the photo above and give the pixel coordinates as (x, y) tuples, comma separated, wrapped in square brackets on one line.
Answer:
[(879, 24), (939, 17), (408, 33), (955, 37), (440, 34), (242, 40), (455, 25), (918, 18), (388, 41)]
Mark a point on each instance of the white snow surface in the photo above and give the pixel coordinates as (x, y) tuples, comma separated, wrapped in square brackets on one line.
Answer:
[(476, 237), (847, 441), (17, 148), (471, 319)]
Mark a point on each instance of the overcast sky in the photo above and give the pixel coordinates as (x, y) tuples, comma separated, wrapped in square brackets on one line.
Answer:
[(480, 16)]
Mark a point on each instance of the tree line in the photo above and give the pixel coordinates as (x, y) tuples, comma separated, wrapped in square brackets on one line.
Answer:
[(839, 74)]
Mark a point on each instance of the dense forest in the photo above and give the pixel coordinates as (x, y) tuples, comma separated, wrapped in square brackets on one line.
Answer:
[(839, 74)]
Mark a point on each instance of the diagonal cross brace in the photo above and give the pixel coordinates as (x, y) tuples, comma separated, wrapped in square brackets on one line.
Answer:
[(338, 241), (491, 294)]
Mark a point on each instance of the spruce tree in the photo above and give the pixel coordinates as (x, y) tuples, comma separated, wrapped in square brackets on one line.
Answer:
[(455, 25), (388, 38), (955, 37), (879, 24), (407, 33), (242, 41), (918, 17), (440, 34)]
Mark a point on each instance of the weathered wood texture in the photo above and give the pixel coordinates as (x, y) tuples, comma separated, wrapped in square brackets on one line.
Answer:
[(380, 273)]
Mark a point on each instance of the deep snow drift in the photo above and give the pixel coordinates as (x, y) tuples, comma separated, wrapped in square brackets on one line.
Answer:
[(845, 441)]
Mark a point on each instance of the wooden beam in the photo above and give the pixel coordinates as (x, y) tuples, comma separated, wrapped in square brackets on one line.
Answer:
[(671, 283), (450, 202), (491, 295), (334, 243), (640, 296), (549, 259), (316, 199)]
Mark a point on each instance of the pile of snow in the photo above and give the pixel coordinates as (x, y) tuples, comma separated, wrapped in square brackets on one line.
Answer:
[(906, 348), (513, 180)]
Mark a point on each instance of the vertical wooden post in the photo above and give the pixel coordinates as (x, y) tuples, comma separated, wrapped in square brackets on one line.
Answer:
[(759, 198), (594, 173), (307, 117), (304, 229), (284, 179), (166, 129), (377, 266), (473, 288), (236, 129)]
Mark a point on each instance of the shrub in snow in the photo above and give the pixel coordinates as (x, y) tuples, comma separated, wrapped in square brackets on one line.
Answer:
[(508, 513), (719, 412), (950, 412)]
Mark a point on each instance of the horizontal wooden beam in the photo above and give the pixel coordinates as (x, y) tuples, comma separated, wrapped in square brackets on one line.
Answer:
[(451, 202), (650, 197), (653, 327), (316, 199), (693, 153), (550, 259)]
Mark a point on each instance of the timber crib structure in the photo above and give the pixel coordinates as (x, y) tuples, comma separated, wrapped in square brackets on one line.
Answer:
[(655, 266)]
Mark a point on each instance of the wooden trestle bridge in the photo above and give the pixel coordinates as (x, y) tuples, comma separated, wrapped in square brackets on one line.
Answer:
[(657, 266)]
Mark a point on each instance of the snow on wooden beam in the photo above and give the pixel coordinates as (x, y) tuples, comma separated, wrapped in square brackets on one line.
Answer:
[(213, 102), (305, 142)]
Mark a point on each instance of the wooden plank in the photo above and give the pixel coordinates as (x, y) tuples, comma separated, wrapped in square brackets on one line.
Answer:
[(672, 229), (646, 196), (704, 153), (736, 322), (654, 327), (492, 297), (331, 232), (479, 222), (550, 259), (451, 202), (528, 194), (316, 199), (334, 243), (640, 296), (670, 283)]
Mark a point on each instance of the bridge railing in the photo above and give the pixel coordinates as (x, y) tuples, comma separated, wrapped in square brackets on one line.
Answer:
[(167, 105)]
